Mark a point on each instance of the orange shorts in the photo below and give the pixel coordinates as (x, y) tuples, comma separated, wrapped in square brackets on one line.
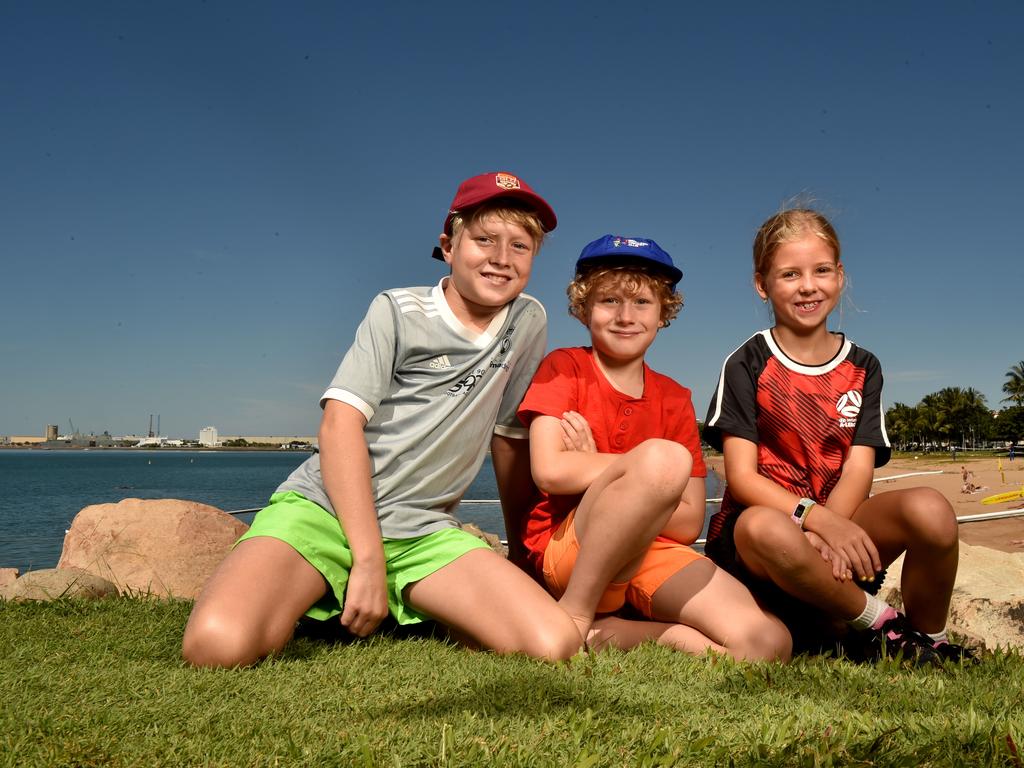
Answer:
[(664, 559)]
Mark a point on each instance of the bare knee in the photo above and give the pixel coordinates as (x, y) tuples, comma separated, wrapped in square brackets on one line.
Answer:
[(661, 466), (930, 518), (764, 640), (212, 640), (552, 641), (770, 537)]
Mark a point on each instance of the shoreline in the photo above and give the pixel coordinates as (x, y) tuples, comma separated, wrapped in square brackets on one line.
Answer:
[(1006, 535)]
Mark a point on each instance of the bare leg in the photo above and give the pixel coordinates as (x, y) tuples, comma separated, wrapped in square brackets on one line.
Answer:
[(921, 522), (721, 614), (619, 516), (497, 605), (772, 548), (626, 634), (249, 607)]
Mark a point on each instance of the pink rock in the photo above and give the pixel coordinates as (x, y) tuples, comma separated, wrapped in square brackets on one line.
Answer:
[(161, 547), (7, 576)]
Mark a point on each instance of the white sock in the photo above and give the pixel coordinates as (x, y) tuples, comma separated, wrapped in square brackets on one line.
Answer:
[(873, 610), (938, 638)]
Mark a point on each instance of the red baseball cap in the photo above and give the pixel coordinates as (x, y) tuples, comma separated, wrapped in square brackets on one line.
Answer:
[(487, 186)]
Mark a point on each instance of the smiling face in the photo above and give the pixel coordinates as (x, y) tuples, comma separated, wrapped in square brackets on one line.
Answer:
[(622, 322), (491, 260), (803, 282)]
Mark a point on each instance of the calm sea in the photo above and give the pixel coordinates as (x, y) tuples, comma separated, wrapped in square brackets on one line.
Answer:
[(42, 491)]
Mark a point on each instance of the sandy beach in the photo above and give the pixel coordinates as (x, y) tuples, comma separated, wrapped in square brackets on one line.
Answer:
[(1006, 535)]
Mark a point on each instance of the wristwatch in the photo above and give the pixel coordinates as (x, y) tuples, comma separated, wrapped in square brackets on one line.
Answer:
[(802, 508)]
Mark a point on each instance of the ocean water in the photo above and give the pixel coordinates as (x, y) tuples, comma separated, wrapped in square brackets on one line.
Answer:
[(42, 491)]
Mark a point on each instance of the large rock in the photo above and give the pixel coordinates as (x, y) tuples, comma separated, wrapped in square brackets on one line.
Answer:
[(55, 583), (490, 539), (163, 548), (7, 576), (988, 601)]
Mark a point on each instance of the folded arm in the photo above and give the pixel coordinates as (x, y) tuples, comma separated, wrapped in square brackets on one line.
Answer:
[(557, 468)]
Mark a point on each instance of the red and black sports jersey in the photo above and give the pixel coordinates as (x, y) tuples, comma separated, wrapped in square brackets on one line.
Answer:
[(803, 418)]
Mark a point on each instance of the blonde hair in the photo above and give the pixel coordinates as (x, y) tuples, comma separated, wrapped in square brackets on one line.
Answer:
[(786, 227), (506, 209), (633, 279)]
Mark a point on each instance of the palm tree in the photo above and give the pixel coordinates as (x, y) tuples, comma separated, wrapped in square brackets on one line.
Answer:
[(953, 412), (1014, 384), (900, 424)]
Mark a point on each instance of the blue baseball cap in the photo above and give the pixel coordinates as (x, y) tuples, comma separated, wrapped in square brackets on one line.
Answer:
[(614, 250)]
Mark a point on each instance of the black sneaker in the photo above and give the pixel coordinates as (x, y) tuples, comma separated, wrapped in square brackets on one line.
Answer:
[(896, 639), (956, 653)]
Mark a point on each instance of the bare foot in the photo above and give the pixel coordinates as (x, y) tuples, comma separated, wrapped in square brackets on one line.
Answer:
[(581, 620)]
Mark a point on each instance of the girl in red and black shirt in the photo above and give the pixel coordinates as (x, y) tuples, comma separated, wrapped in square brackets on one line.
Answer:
[(798, 416)]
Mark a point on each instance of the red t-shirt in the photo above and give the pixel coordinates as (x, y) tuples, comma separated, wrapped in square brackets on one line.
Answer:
[(803, 418), (569, 380)]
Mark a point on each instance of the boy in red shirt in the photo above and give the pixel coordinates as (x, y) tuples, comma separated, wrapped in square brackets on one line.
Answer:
[(615, 452)]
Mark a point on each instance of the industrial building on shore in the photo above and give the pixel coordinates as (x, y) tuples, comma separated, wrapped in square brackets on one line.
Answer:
[(209, 438)]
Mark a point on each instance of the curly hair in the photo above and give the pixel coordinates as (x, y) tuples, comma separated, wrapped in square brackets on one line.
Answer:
[(633, 279)]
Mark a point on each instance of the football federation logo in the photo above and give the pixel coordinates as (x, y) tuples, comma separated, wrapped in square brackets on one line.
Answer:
[(506, 181), (848, 407)]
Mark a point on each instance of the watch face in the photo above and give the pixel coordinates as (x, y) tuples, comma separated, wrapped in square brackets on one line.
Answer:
[(801, 509)]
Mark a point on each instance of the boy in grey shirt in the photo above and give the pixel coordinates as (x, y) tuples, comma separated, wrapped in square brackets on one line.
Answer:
[(366, 527)]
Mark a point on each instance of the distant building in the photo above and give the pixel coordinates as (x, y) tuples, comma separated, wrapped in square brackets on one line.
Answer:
[(208, 437), (51, 432), (279, 441), (25, 440)]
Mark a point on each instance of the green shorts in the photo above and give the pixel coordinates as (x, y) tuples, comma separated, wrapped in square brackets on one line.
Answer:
[(315, 534)]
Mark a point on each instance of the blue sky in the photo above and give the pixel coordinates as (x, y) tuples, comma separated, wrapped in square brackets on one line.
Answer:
[(199, 200)]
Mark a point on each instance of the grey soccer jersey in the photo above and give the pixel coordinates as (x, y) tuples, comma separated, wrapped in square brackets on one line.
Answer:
[(433, 391)]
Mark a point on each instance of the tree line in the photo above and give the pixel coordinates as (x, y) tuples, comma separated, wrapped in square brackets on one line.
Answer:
[(960, 417)]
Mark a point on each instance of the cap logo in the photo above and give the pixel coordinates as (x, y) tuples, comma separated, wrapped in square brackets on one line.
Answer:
[(506, 181), (629, 243)]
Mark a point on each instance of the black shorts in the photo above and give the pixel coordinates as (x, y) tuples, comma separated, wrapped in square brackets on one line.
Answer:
[(813, 630)]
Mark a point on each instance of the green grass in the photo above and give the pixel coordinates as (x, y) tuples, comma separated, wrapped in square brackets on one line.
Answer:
[(102, 684)]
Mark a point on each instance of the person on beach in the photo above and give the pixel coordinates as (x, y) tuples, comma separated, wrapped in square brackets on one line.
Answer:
[(798, 415), (615, 452), (366, 528)]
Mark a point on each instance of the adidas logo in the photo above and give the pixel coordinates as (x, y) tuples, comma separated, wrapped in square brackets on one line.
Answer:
[(440, 362)]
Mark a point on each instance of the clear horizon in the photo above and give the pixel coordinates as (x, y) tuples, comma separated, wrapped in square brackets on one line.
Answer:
[(201, 200)]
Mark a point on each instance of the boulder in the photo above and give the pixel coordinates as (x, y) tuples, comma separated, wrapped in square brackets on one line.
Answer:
[(55, 583), (987, 607), (162, 547), (7, 576), (489, 538)]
